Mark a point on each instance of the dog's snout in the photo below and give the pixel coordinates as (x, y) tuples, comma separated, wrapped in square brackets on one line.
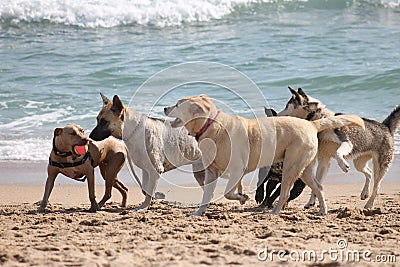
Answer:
[(165, 109)]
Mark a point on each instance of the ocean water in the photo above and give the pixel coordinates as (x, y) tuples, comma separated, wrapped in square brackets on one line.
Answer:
[(57, 55)]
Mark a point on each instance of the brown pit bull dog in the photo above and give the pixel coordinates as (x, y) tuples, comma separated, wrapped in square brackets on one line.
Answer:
[(75, 155)]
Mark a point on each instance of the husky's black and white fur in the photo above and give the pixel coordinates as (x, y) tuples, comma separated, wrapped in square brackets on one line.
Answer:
[(375, 142)]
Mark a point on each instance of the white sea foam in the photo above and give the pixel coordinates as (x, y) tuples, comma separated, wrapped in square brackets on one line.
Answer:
[(25, 149), (386, 3), (110, 13), (33, 121)]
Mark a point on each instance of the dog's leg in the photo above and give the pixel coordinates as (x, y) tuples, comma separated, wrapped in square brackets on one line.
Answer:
[(199, 172), (297, 189), (316, 187), (322, 169), (293, 166), (150, 181), (109, 172), (262, 178), (92, 196), (107, 192), (269, 199), (208, 192), (52, 174), (286, 184), (380, 167), (361, 165), (122, 189), (230, 194), (240, 187), (107, 196), (344, 149)]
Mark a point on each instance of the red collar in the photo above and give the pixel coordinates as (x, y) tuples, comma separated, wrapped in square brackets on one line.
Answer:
[(206, 125)]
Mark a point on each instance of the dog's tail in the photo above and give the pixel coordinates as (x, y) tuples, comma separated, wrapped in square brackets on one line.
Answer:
[(131, 165), (337, 122), (393, 120)]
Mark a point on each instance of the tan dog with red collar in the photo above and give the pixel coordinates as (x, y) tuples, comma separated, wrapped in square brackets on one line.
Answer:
[(75, 155), (232, 146)]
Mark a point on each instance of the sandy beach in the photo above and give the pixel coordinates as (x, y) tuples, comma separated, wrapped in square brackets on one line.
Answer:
[(229, 234), (57, 57)]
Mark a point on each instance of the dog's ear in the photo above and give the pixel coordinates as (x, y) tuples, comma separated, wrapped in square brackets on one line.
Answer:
[(301, 92), (117, 106), (313, 105), (105, 99), (58, 131), (294, 93), (270, 112), (206, 97), (199, 109)]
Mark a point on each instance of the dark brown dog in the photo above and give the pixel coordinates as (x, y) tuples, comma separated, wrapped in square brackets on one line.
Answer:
[(108, 154)]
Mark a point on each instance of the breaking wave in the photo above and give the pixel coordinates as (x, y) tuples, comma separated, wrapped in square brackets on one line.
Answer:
[(159, 13)]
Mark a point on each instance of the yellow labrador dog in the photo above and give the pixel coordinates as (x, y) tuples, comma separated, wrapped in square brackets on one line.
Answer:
[(232, 146)]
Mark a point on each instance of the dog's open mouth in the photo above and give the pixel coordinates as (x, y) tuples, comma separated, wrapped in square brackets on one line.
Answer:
[(177, 123)]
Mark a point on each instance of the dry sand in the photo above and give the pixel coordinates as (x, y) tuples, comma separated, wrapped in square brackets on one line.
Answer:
[(229, 234)]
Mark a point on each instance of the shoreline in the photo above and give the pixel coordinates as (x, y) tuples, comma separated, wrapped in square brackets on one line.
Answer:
[(28, 180), (34, 173), (177, 185)]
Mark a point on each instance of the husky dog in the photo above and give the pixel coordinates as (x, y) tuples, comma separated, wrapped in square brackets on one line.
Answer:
[(375, 142), (157, 146), (272, 177)]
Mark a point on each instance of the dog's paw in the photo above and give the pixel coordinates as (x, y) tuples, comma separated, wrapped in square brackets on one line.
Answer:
[(364, 195), (259, 197), (41, 209), (94, 207), (321, 213), (344, 165), (272, 212), (309, 205), (140, 209), (101, 204), (369, 205), (196, 213), (243, 198), (263, 205)]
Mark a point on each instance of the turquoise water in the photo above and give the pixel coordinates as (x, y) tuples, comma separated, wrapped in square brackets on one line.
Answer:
[(56, 56)]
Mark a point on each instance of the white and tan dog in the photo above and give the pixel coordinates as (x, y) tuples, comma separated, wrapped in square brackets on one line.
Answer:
[(156, 146), (232, 146)]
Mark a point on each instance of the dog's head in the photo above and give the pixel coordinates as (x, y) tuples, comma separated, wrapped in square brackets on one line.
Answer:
[(110, 119), (70, 136), (191, 112), (300, 105)]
